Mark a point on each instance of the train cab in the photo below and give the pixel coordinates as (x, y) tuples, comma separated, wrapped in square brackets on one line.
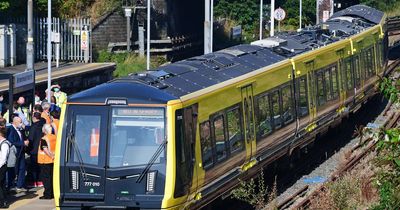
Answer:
[(112, 151)]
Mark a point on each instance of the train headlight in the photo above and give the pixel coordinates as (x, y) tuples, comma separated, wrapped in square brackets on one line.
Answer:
[(151, 181), (74, 180)]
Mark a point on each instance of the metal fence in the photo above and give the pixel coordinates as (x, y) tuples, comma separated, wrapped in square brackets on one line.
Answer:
[(67, 39)]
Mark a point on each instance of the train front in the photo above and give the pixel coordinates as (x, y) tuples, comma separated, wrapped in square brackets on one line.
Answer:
[(112, 149)]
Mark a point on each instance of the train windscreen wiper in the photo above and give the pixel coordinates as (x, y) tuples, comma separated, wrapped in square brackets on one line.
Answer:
[(71, 138), (151, 161)]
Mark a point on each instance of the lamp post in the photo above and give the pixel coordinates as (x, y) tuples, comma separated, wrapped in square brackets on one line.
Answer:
[(272, 28), (301, 12), (148, 35), (48, 49), (261, 19)]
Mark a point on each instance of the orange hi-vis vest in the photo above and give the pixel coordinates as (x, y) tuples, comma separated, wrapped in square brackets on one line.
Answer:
[(51, 145)]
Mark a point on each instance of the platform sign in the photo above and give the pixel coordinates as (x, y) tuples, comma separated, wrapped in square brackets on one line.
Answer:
[(23, 79), (84, 40), (55, 37), (279, 14)]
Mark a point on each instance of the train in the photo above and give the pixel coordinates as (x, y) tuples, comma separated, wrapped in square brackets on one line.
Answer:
[(184, 134)]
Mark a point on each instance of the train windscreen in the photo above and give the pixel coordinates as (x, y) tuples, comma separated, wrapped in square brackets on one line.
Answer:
[(136, 134)]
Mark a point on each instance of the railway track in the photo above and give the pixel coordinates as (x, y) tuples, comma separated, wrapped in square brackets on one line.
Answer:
[(389, 118)]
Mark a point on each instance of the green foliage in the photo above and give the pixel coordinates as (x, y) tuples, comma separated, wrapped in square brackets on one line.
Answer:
[(388, 88), (252, 192), (4, 5), (128, 63), (244, 12), (383, 5)]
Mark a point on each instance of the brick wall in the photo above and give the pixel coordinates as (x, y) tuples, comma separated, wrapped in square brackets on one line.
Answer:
[(111, 29)]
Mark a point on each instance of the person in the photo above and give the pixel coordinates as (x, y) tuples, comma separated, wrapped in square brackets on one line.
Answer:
[(1, 104), (34, 137), (13, 111), (37, 99), (4, 151), (38, 108), (55, 119), (17, 138), (61, 97), (22, 111), (46, 112), (46, 154), (53, 104)]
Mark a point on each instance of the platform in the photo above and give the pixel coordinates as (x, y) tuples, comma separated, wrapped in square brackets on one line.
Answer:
[(65, 70)]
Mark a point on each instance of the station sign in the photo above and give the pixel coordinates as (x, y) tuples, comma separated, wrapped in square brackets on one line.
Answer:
[(84, 40), (23, 79)]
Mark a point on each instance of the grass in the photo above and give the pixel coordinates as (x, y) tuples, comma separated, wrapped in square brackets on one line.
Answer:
[(129, 63)]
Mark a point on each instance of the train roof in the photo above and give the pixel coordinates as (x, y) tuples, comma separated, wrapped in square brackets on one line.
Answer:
[(187, 76), (135, 92)]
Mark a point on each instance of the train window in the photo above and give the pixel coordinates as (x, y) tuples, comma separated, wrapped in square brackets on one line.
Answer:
[(136, 134), (219, 135), (206, 144), (181, 170), (335, 84), (321, 96), (179, 137), (287, 108), (328, 84), (370, 62), (264, 126), (234, 130), (349, 75), (303, 101), (357, 70), (276, 110), (86, 132)]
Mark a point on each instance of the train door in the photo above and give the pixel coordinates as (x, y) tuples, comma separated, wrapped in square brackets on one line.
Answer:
[(190, 126), (249, 124), (84, 164), (312, 91)]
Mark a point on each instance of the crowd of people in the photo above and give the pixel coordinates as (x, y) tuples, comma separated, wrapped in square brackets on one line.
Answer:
[(27, 144)]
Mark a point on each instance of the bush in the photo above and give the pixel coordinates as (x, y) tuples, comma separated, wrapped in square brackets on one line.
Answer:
[(128, 63)]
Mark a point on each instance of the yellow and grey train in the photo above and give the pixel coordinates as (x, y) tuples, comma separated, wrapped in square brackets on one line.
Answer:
[(179, 136)]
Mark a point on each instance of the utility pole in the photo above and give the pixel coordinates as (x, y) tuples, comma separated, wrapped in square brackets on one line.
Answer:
[(29, 44), (148, 35), (301, 12), (48, 49), (207, 27), (272, 28), (261, 19), (317, 15), (211, 24)]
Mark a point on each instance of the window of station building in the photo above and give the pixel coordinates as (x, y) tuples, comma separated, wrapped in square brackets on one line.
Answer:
[(219, 135), (206, 144), (235, 133), (264, 114), (335, 84), (276, 110), (303, 100), (320, 87), (287, 107)]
